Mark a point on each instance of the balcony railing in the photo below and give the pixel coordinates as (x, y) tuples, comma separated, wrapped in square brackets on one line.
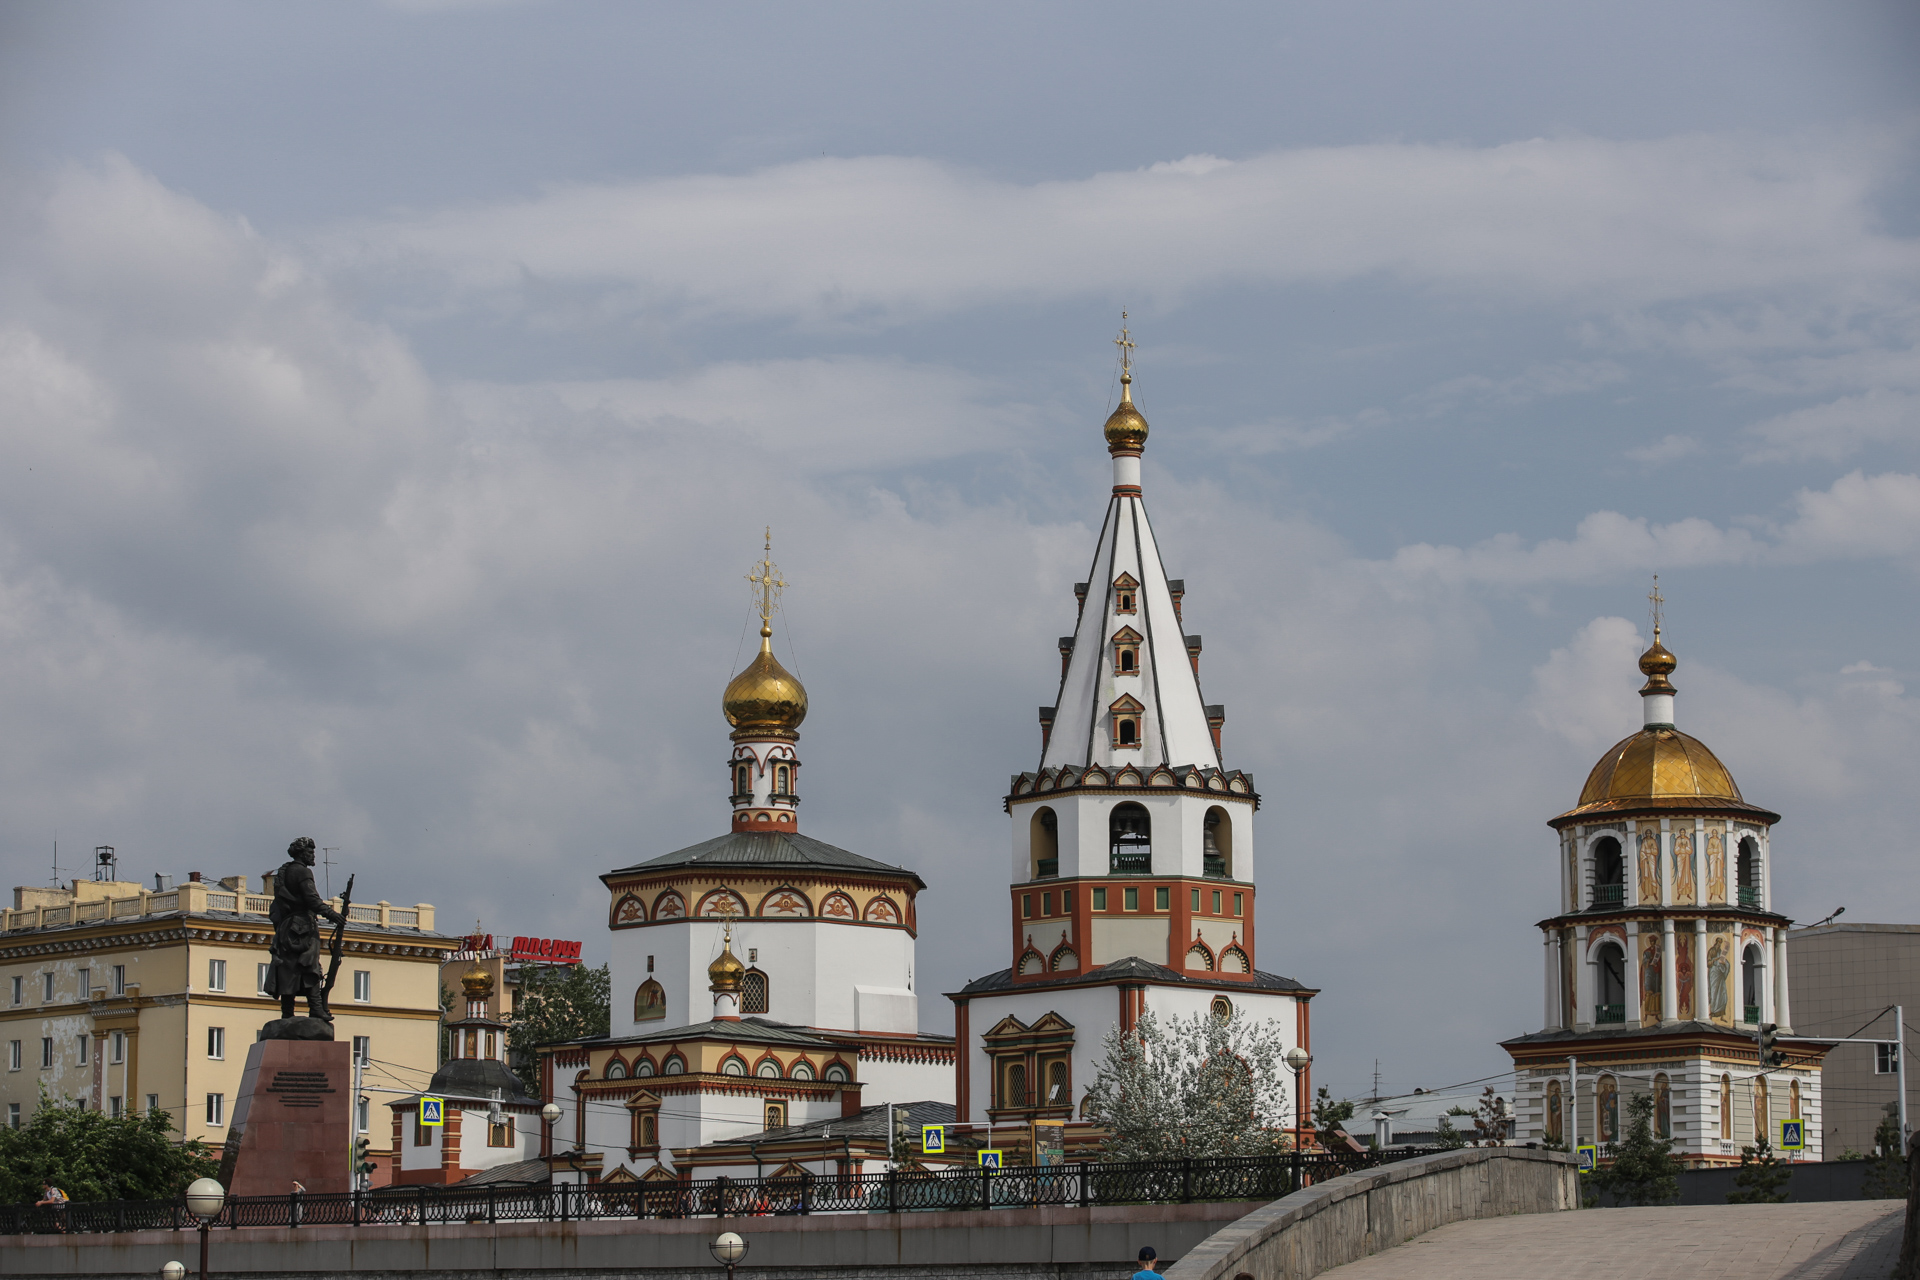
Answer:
[(1752, 1012), (1748, 897), (1130, 864), (1609, 1013), (1608, 895), (1215, 867), (1046, 867)]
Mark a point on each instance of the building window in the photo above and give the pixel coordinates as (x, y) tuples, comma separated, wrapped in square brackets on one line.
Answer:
[(13, 1115), (1196, 902), (1126, 591), (85, 983), (776, 1117), (500, 1134), (363, 986), (1066, 901), (1132, 899), (1216, 845), (1609, 874), (1886, 1059), (1747, 873), (113, 1107), (216, 1109), (1161, 897), (1238, 903), (1753, 974), (1046, 904), (260, 972), (13, 1055), (1099, 899), (422, 1133), (19, 995), (1043, 834), (753, 992), (783, 779), (46, 986), (117, 1047), (650, 1002), (362, 1114), (649, 1130), (1216, 902), (46, 1052), (153, 1102), (1013, 1083), (216, 1042), (1611, 963), (1130, 836), (1026, 906), (363, 1049), (1059, 1092), (216, 975), (1726, 1106), (1126, 732), (119, 979), (80, 1043), (1222, 1008)]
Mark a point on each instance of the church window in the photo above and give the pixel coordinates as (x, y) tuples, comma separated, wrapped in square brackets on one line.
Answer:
[(675, 1066), (1066, 901), (1099, 899), (753, 992), (1556, 1118), (616, 1070), (776, 1115), (1013, 1089), (1130, 830), (784, 780), (1043, 831), (1058, 1092), (650, 1001), (1611, 994), (836, 1073), (1753, 976), (1046, 904), (1196, 902), (733, 1066), (1161, 897), (1609, 874), (1126, 660), (1132, 899), (1726, 1106), (1221, 1008), (768, 1070), (649, 1130), (1126, 590), (1216, 902), (1606, 1099), (1662, 1106), (1026, 906), (1747, 873), (1216, 844), (1238, 900), (1127, 732), (742, 781), (501, 1134)]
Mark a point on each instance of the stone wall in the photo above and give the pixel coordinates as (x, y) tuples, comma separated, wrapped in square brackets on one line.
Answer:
[(1362, 1213)]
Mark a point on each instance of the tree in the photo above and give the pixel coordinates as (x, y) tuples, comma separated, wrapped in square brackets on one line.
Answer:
[(1640, 1168), (1445, 1135), (1762, 1179), (558, 1003), (1329, 1115), (1196, 1086), (1491, 1120), (93, 1156), (1886, 1178)]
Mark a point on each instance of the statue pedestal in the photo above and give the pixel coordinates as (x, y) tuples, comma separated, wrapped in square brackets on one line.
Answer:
[(293, 1120)]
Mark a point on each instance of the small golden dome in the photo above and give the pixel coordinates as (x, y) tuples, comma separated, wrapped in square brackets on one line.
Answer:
[(764, 699), (1657, 663), (1657, 765), (725, 973), (477, 982), (1126, 429)]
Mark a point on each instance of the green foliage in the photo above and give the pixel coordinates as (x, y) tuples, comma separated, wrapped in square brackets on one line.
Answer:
[(1329, 1115), (1887, 1177), (1491, 1120), (1196, 1086), (1445, 1134), (1640, 1168), (92, 1156), (558, 1003), (1762, 1179)]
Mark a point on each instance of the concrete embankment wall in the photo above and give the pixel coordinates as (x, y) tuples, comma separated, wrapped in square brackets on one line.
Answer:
[(1362, 1213), (1042, 1243)]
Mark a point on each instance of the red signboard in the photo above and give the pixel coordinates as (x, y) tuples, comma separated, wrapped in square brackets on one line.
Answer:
[(551, 950)]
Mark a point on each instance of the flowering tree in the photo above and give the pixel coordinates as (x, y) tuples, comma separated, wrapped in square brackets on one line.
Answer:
[(1196, 1086)]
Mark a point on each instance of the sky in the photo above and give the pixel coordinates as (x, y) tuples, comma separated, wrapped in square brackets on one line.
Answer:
[(393, 396)]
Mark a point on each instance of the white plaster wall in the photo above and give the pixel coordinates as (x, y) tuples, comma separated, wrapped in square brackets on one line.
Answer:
[(476, 1155), (884, 1082), (1091, 1010), (1117, 937)]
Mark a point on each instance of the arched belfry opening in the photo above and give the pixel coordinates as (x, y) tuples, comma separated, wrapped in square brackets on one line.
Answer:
[(1044, 833), (1131, 831), (1609, 873), (1746, 875), (1610, 986), (1217, 844), (1753, 977)]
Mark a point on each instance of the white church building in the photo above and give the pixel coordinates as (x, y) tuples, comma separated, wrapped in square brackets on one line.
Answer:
[(1132, 858)]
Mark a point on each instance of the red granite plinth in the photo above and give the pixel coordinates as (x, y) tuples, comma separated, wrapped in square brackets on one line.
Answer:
[(293, 1120)]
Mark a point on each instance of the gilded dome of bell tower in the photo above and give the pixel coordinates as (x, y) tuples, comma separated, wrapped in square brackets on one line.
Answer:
[(765, 700), (1126, 428)]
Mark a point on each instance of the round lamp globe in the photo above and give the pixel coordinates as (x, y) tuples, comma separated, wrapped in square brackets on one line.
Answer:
[(551, 1113), (174, 1271), (728, 1247), (205, 1197), (1298, 1059)]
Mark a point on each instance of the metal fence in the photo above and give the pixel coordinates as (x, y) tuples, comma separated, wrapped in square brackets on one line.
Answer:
[(902, 1191)]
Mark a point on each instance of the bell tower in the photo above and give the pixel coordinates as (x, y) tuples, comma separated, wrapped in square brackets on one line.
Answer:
[(765, 706)]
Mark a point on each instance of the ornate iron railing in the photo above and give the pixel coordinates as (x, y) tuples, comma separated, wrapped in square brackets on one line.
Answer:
[(1609, 895), (1609, 1013), (1748, 897), (1081, 1183)]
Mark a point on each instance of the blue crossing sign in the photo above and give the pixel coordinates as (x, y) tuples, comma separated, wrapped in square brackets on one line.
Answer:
[(933, 1139), (1589, 1157), (1793, 1135), (433, 1110), (990, 1159)]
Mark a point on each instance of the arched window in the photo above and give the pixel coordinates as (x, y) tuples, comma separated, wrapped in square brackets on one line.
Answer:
[(1793, 1100), (1043, 830), (1217, 844), (1747, 873), (616, 1070), (836, 1074), (1556, 1112), (784, 780), (675, 1066), (1726, 1106), (642, 1068), (768, 1070), (733, 1067), (802, 1071), (1014, 1084), (1662, 1106), (776, 1117), (649, 1130), (1609, 874), (1128, 732), (1753, 977), (1606, 1095), (1127, 660), (753, 992), (650, 1002), (742, 779), (1132, 840), (1611, 995), (1762, 1111), (1057, 1084)]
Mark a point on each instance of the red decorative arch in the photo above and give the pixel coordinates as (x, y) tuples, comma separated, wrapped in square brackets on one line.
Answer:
[(765, 1057), (1207, 959), (838, 906), (880, 910), (1031, 954), (629, 910), (720, 902), (1064, 959), (670, 906), (786, 902)]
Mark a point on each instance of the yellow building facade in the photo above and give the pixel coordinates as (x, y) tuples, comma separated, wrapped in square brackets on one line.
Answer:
[(121, 998)]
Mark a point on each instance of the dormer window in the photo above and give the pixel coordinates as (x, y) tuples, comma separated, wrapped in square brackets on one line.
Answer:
[(1126, 716), (1126, 652), (1126, 594)]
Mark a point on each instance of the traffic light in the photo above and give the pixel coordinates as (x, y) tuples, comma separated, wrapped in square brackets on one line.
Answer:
[(1764, 1036), (902, 1129), (363, 1156)]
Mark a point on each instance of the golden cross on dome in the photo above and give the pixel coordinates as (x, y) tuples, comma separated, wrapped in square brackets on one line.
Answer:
[(767, 585), (1125, 344), (1655, 599)]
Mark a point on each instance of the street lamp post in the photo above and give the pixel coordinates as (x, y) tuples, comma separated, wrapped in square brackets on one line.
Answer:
[(1298, 1060), (549, 1117), (204, 1199), (174, 1271), (728, 1248)]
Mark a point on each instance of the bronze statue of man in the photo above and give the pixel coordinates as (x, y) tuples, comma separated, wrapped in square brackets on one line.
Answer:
[(296, 968)]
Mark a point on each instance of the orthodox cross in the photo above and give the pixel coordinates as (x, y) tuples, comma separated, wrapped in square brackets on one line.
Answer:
[(1125, 344), (767, 585), (1655, 599)]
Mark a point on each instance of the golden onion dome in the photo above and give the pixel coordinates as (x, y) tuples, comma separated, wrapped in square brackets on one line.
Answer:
[(764, 699), (477, 982), (1657, 663), (725, 973), (1126, 429), (1656, 764)]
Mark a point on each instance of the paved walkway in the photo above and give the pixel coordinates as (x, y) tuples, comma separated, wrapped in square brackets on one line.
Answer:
[(1841, 1240)]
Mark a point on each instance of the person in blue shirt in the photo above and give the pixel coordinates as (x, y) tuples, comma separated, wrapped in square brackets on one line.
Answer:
[(1146, 1271)]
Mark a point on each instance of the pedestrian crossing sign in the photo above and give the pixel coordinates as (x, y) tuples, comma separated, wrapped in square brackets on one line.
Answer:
[(933, 1139), (1589, 1157), (990, 1159), (433, 1111), (1793, 1135)]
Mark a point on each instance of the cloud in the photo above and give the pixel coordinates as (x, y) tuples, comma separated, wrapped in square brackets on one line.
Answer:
[(1840, 427), (1577, 690), (1669, 449), (886, 239)]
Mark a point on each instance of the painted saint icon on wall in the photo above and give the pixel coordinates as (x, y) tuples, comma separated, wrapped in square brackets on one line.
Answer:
[(1650, 986), (1716, 867), (1649, 867), (1683, 975), (1719, 969), (1683, 881)]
